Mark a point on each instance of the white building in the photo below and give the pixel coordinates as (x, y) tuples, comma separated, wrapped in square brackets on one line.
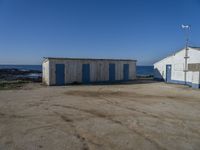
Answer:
[(183, 67), (62, 71)]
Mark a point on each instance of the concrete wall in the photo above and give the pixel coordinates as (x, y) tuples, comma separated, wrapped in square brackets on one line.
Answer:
[(160, 68), (99, 70), (178, 66), (45, 72), (196, 79)]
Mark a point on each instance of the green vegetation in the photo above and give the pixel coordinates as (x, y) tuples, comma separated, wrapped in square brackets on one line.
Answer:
[(11, 85)]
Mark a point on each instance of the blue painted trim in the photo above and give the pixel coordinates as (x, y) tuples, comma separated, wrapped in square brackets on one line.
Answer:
[(126, 72), (86, 73), (60, 74), (168, 73), (193, 85), (112, 72), (176, 82)]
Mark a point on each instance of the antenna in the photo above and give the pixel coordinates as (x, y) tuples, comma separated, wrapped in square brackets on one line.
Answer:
[(186, 29)]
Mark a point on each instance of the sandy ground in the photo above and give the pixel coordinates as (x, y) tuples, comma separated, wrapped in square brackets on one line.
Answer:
[(142, 116)]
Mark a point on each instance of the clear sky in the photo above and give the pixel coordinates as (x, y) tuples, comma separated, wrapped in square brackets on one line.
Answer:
[(146, 30)]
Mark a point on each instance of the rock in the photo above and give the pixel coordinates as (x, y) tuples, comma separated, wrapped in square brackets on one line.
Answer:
[(17, 74)]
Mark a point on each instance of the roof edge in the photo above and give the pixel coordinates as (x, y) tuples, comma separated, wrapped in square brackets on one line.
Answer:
[(192, 47), (196, 48), (68, 58)]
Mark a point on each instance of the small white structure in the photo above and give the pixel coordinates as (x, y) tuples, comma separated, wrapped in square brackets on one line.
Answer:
[(182, 67), (62, 71)]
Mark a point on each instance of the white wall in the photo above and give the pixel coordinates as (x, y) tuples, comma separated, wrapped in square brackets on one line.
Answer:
[(45, 72), (160, 68), (99, 70), (195, 77), (178, 65), (194, 56)]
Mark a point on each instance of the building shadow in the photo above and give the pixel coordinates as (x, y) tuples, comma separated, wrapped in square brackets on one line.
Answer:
[(158, 75), (136, 81)]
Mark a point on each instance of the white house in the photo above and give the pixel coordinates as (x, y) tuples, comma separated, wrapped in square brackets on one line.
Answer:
[(183, 67)]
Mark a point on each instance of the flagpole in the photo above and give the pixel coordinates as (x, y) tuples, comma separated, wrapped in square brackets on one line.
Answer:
[(186, 27)]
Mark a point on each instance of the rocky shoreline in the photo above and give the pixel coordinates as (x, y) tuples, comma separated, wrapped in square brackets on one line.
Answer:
[(17, 74), (16, 78)]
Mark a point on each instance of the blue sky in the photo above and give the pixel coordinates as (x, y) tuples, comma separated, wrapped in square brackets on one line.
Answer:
[(146, 30)]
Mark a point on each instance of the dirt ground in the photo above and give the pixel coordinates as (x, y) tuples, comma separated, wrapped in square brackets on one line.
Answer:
[(139, 116)]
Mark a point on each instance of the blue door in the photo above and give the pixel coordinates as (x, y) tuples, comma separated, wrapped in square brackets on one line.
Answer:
[(126, 72), (168, 73), (86, 73), (60, 74), (111, 72)]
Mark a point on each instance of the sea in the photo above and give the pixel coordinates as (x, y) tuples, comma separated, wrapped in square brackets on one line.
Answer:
[(141, 70), (22, 67), (145, 70)]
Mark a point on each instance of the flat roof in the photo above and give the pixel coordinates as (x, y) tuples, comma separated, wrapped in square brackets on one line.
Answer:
[(59, 58)]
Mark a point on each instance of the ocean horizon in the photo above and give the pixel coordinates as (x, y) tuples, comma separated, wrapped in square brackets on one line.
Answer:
[(141, 70)]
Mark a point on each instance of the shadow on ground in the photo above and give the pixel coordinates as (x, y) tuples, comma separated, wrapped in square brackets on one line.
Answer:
[(137, 81)]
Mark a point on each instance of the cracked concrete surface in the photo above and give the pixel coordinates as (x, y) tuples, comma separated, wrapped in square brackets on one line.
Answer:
[(153, 116)]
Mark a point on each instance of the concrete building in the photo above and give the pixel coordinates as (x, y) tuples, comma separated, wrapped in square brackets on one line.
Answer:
[(61, 71), (183, 67)]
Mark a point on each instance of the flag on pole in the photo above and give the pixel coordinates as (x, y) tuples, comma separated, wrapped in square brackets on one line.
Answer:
[(185, 26)]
